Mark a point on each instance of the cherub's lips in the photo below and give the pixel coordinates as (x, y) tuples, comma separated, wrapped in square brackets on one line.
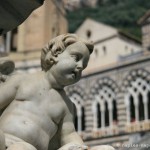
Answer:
[(76, 74)]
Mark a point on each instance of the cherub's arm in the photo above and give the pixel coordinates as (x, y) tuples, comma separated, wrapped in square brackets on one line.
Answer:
[(8, 90), (69, 137)]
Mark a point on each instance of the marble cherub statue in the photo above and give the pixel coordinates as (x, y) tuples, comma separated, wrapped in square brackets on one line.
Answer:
[(36, 113)]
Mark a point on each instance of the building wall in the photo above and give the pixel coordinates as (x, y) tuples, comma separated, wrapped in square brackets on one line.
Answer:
[(109, 44), (116, 78), (43, 24), (95, 31), (146, 35), (108, 52)]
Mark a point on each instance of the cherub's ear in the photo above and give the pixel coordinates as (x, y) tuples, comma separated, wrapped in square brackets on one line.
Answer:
[(50, 60)]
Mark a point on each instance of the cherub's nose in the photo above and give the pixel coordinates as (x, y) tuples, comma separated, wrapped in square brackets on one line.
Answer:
[(80, 66)]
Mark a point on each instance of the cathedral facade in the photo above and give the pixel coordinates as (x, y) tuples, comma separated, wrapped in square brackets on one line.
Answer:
[(113, 101)]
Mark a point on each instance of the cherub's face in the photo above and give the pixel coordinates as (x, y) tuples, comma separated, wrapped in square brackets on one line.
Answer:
[(70, 64)]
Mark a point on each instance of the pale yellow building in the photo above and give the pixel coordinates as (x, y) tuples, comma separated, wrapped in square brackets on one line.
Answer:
[(110, 44), (24, 43)]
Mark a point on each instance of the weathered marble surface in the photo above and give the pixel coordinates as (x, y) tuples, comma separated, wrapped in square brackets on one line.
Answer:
[(102, 147), (36, 112)]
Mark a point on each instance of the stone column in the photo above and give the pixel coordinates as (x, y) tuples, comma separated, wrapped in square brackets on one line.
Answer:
[(8, 41), (79, 119), (127, 103), (94, 108), (145, 100), (136, 103), (128, 113), (103, 118)]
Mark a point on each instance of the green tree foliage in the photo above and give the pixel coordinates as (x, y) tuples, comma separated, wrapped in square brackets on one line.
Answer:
[(122, 14)]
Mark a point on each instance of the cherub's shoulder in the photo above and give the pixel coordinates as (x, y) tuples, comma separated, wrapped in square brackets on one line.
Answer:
[(17, 76)]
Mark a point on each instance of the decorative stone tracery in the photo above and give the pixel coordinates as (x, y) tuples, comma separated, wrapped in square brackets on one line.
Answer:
[(77, 96), (104, 103), (137, 95)]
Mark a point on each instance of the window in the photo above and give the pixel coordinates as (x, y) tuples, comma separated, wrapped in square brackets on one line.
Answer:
[(106, 114), (137, 97), (132, 109), (2, 45), (104, 106), (10, 41), (88, 33), (115, 117), (80, 112), (141, 107), (104, 50), (98, 115), (83, 118)]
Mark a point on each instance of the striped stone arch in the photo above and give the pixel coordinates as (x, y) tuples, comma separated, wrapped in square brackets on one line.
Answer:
[(133, 75), (101, 82), (78, 90), (136, 88), (104, 107), (78, 97)]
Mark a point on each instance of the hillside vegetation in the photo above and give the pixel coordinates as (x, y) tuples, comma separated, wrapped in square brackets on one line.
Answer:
[(122, 14)]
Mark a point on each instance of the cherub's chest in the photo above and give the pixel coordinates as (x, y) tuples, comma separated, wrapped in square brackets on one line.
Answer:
[(54, 106), (46, 102)]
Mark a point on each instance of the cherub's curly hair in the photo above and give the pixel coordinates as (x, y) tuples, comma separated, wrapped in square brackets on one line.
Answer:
[(58, 45)]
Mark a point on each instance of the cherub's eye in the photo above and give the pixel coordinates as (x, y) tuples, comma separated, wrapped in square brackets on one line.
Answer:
[(76, 57)]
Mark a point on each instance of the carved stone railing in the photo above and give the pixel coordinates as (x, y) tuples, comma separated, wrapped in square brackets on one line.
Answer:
[(107, 131), (138, 126)]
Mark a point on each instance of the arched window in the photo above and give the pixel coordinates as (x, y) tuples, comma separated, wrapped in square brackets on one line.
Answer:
[(98, 115), (106, 115), (132, 109), (10, 40), (137, 86), (141, 107), (83, 118), (80, 112), (115, 117), (104, 50), (105, 105), (76, 121), (88, 33)]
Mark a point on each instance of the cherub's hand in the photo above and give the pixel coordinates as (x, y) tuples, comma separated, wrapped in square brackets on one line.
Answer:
[(102, 147), (2, 78), (72, 146)]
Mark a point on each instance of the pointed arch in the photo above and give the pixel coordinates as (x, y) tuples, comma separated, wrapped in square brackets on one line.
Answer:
[(106, 114), (141, 107), (115, 116), (132, 109), (98, 115), (104, 103), (136, 84), (77, 96)]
